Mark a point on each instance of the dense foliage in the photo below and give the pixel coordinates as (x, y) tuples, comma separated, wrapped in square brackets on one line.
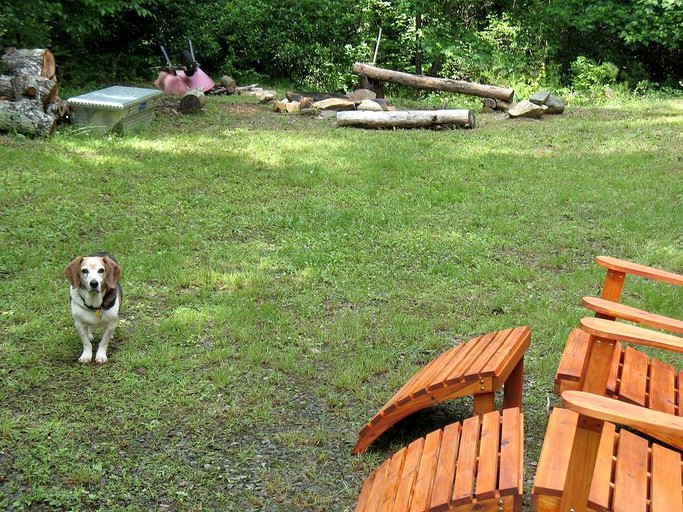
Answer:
[(315, 42)]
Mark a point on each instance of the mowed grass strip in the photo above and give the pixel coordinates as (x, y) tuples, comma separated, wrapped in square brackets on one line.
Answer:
[(282, 278)]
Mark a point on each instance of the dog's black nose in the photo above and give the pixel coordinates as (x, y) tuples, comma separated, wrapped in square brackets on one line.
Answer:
[(93, 283)]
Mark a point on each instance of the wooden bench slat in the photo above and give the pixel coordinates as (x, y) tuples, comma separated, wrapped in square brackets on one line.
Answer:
[(461, 367), (630, 475), (445, 472), (392, 481), (376, 493), (467, 462), (476, 370), (422, 489), (666, 480), (503, 362), (572, 361), (511, 453), (408, 475), (487, 465), (633, 384), (365, 493), (662, 387)]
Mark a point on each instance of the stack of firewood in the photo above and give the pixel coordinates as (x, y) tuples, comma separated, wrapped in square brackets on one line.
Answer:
[(29, 92)]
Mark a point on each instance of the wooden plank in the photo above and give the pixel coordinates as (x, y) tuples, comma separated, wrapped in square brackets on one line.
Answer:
[(639, 270), (365, 493), (617, 310), (630, 475), (435, 370), (487, 466), (680, 392), (600, 495), (378, 485), (445, 469), (467, 461), (614, 283), (392, 481), (409, 475), (666, 481), (422, 490), (662, 390), (618, 331), (573, 358), (551, 472), (511, 471), (633, 384), (483, 403), (463, 366), (480, 367), (510, 352)]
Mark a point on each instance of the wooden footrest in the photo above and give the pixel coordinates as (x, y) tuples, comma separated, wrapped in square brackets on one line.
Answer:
[(634, 378), (473, 465), (479, 367), (631, 474)]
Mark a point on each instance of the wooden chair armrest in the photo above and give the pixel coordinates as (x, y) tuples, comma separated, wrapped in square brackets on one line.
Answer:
[(639, 270), (630, 314), (660, 425), (617, 331)]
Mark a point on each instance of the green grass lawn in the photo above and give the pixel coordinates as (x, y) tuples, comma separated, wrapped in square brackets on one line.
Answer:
[(283, 277)]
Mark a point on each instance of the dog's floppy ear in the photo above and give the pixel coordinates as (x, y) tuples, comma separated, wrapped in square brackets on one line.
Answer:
[(112, 272), (73, 272)]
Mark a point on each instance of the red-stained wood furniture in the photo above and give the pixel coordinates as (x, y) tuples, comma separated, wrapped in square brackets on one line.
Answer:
[(479, 367)]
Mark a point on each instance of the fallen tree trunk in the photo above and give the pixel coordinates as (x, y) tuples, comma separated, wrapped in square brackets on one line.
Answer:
[(23, 117), (29, 62), (462, 118), (433, 84)]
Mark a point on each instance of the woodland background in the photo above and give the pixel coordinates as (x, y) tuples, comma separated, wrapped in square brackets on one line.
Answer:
[(571, 43)]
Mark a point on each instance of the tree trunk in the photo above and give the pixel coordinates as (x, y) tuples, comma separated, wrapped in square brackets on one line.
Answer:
[(192, 101), (433, 84), (29, 62), (6, 89), (23, 117), (406, 118), (229, 83)]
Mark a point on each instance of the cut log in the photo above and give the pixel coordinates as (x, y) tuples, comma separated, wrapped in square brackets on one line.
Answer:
[(362, 94), (462, 118), (229, 83), (369, 105), (434, 84), (335, 104), (29, 62), (191, 102), (527, 109), (24, 117), (25, 86), (6, 89)]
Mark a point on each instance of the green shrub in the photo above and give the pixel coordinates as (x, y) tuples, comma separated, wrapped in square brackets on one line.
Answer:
[(588, 75)]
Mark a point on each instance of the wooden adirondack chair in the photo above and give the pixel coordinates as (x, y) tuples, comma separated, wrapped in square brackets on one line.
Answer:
[(633, 376), (586, 463)]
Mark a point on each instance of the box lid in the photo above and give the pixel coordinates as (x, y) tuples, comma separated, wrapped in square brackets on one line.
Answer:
[(115, 97)]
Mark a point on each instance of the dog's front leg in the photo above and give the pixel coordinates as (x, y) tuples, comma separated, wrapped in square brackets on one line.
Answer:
[(85, 333), (101, 355)]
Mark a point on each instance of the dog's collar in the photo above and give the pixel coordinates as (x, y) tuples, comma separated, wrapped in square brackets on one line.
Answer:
[(108, 302)]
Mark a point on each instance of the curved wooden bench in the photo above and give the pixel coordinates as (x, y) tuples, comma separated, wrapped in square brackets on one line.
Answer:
[(473, 465), (479, 367)]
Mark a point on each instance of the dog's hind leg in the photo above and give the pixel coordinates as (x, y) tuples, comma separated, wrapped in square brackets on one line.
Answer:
[(101, 355), (85, 333)]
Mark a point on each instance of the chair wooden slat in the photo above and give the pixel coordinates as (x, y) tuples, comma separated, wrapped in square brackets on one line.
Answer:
[(422, 491), (617, 310), (445, 469), (636, 269), (487, 466), (630, 475), (411, 465), (551, 472), (463, 486), (511, 453), (662, 387), (392, 481), (666, 481), (633, 385), (600, 495)]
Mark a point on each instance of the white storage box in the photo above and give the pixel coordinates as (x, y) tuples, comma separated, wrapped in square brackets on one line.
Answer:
[(118, 109)]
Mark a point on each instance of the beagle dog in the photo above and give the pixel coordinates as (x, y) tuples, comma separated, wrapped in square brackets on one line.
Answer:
[(95, 300)]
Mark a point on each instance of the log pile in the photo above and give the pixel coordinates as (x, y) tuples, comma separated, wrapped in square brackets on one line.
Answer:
[(328, 104), (29, 92)]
